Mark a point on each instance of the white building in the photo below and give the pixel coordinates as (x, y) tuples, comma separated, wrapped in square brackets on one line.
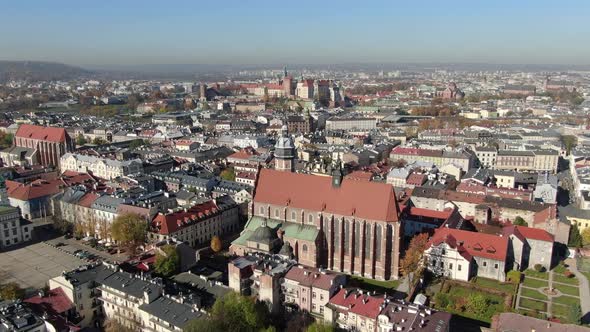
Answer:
[(13, 229), (101, 167)]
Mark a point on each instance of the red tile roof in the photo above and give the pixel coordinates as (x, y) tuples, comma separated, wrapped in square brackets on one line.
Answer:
[(369, 200), (41, 188), (54, 301), (444, 215), (51, 134), (170, 223), (416, 179), (88, 199), (529, 233), (472, 243), (307, 276), (360, 176), (244, 154), (358, 303), (416, 152)]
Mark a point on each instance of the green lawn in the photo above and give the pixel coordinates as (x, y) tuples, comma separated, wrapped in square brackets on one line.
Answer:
[(534, 283), (569, 290), (374, 285), (534, 293), (564, 279), (560, 310), (560, 269), (533, 273), (490, 283), (533, 304), (457, 298), (567, 300)]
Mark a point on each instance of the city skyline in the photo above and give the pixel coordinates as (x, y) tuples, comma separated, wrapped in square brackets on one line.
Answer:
[(540, 32)]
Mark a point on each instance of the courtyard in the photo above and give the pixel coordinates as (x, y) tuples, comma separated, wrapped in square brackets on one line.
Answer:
[(31, 266)]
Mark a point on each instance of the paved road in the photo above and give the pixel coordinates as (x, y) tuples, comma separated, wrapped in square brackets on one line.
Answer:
[(584, 289)]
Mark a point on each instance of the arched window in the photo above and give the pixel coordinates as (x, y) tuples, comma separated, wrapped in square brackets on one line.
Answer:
[(378, 234), (346, 236), (357, 238), (310, 218), (336, 235), (276, 213), (262, 210), (368, 239), (293, 215), (304, 248)]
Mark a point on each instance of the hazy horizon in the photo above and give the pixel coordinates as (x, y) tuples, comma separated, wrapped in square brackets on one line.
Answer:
[(111, 33)]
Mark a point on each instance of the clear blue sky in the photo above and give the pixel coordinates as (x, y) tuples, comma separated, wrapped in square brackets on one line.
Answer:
[(302, 31)]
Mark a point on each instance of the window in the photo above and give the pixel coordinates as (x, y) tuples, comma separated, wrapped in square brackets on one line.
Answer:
[(276, 213), (459, 267), (496, 266), (485, 263), (304, 248), (293, 215), (357, 238), (336, 232), (443, 252), (313, 295), (261, 209), (378, 232), (310, 218), (451, 266)]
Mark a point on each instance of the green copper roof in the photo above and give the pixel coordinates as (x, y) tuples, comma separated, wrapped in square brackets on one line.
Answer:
[(292, 230)]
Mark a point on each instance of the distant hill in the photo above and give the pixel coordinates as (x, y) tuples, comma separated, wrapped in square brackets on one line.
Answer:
[(39, 71)]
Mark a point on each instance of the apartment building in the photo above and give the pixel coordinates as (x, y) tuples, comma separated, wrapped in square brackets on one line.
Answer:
[(101, 167), (13, 229)]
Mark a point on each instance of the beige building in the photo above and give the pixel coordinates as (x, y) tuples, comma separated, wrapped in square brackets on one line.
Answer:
[(101, 167)]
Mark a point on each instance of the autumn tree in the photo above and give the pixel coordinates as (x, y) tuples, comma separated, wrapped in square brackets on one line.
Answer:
[(569, 142), (586, 236), (216, 244), (98, 141), (112, 325), (129, 230), (11, 291), (399, 163), (411, 263), (167, 261)]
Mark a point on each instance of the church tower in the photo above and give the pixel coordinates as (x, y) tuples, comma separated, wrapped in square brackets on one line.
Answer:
[(285, 152)]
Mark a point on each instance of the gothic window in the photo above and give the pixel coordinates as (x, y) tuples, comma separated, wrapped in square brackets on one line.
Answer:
[(276, 213), (293, 215), (336, 232), (346, 236), (310, 218), (378, 234), (368, 240), (304, 248), (357, 238)]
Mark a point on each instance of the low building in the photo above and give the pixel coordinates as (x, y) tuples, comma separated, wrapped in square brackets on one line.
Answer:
[(461, 255), (530, 246), (198, 224), (16, 317), (310, 289), (102, 167), (13, 229)]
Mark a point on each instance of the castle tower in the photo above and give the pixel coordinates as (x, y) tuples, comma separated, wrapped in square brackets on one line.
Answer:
[(285, 152)]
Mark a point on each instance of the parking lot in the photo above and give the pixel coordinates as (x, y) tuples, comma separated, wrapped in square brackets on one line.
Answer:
[(33, 265), (71, 245)]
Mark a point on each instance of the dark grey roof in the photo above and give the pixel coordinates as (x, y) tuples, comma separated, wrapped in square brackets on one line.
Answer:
[(172, 312), (263, 234), (128, 284)]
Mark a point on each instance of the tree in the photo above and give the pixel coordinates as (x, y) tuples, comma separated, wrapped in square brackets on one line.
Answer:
[(399, 163), (574, 315), (5, 139), (216, 244), (98, 141), (413, 256), (477, 303), (586, 236), (319, 327), (575, 239), (232, 312), (167, 261), (519, 221), (129, 230), (61, 225), (11, 291), (81, 140), (112, 325), (137, 143), (569, 142), (228, 174)]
